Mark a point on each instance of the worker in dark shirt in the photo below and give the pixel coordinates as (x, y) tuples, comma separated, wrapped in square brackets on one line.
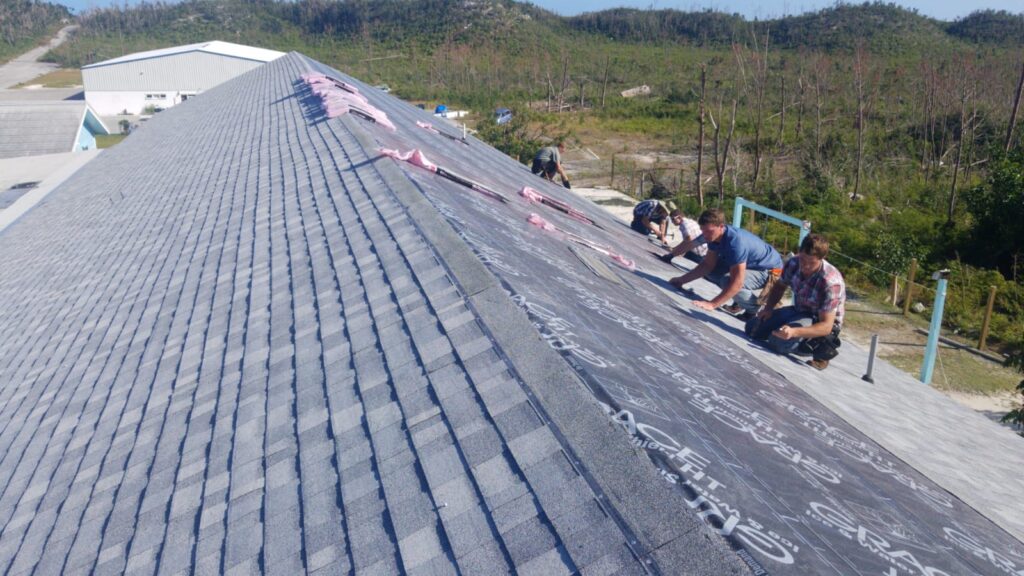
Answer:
[(650, 217), (737, 261), (548, 162)]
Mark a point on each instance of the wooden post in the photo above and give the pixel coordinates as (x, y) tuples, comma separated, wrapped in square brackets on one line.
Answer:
[(910, 287), (895, 290), (753, 216), (988, 316), (611, 182)]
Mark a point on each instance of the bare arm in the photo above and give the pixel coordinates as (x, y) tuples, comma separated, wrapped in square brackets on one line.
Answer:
[(561, 172), (736, 276), (685, 246), (653, 228), (702, 270), (820, 328)]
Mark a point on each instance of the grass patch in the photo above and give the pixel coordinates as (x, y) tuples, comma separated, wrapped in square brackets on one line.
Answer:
[(109, 140), (903, 346), (63, 78), (959, 370)]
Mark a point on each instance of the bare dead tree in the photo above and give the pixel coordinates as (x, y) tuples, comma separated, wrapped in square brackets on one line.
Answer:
[(1015, 109), (721, 148), (565, 82), (700, 138), (973, 123), (760, 77), (965, 95), (604, 84), (551, 89), (863, 83), (928, 94), (782, 110), (821, 83), (802, 91)]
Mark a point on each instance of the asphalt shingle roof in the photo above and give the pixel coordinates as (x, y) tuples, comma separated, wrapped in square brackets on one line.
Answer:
[(35, 128), (229, 346), (245, 341)]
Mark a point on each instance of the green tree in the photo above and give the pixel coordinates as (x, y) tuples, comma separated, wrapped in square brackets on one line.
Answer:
[(1015, 417), (998, 210)]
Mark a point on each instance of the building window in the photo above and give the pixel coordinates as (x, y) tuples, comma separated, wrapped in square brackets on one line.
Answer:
[(156, 96)]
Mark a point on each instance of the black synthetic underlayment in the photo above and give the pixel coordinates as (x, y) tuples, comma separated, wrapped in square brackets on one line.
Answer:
[(793, 488)]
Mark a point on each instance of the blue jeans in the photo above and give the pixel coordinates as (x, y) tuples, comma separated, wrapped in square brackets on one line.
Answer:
[(785, 316), (752, 280)]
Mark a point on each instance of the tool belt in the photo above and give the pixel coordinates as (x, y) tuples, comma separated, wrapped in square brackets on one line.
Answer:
[(762, 298), (825, 347)]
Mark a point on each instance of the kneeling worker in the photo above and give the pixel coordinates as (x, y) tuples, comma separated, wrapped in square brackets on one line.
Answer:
[(548, 162), (650, 217), (690, 231), (814, 321), (738, 261)]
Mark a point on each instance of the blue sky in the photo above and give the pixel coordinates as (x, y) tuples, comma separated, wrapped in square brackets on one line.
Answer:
[(942, 9)]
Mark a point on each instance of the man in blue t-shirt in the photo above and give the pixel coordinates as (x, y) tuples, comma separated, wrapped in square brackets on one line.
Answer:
[(738, 261)]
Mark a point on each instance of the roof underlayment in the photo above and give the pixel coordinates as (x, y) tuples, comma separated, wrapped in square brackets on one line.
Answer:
[(244, 340)]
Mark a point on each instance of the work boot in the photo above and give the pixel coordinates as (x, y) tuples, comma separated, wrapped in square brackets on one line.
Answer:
[(818, 364)]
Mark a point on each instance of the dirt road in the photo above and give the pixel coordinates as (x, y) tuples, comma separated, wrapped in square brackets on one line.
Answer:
[(27, 66)]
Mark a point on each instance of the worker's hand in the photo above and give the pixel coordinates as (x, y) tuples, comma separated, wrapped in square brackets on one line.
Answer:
[(704, 305), (764, 313), (565, 182), (667, 257), (784, 333), (677, 281)]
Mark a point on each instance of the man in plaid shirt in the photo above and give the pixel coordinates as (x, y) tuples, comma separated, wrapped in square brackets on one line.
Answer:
[(812, 324), (690, 231)]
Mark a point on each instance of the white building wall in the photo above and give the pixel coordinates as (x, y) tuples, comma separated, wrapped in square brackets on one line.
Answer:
[(114, 103), (160, 81)]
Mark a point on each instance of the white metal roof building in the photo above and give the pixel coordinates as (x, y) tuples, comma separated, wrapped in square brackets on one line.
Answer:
[(166, 77)]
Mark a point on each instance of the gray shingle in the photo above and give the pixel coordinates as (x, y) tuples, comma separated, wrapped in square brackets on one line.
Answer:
[(225, 351)]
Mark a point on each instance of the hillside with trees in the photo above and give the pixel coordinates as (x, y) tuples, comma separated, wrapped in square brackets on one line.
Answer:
[(896, 134), (25, 24)]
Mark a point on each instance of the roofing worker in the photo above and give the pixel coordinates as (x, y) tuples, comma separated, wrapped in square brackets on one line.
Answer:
[(738, 261), (548, 162), (689, 230), (650, 217), (813, 322)]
